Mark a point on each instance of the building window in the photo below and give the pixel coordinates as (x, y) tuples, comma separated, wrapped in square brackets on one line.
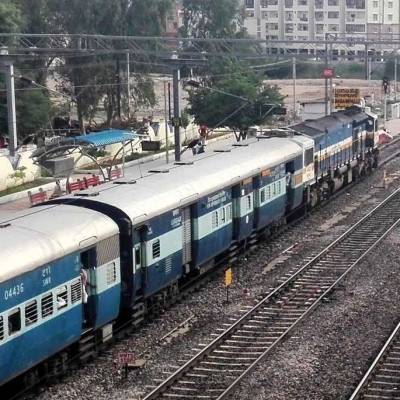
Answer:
[(390, 17), (375, 4), (1, 329), (31, 313), (333, 14), (76, 291), (390, 4), (156, 249), (62, 297), (14, 321), (249, 3), (288, 3), (333, 2)]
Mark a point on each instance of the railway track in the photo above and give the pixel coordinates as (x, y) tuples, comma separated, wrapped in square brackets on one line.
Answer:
[(220, 365), (382, 380)]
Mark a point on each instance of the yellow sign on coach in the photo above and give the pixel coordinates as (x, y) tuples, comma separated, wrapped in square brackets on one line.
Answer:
[(228, 277)]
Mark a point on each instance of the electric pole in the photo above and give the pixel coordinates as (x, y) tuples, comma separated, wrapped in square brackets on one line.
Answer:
[(11, 110), (177, 112)]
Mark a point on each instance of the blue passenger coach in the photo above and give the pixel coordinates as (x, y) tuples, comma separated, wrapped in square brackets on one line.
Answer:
[(41, 304)]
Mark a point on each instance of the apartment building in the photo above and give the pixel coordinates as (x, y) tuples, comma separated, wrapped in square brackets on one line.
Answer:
[(304, 19), (383, 17)]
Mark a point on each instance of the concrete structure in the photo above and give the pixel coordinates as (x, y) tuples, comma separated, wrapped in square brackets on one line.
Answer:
[(320, 19), (383, 17)]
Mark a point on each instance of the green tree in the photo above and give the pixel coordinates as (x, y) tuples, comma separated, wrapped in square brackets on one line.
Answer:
[(10, 17), (210, 18), (253, 105), (98, 78)]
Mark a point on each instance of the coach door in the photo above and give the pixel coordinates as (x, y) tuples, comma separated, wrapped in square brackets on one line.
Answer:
[(88, 279), (137, 268), (186, 236)]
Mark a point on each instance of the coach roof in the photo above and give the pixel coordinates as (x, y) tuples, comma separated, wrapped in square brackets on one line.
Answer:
[(156, 193), (43, 234)]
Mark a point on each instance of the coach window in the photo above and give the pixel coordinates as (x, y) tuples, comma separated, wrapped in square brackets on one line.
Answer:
[(137, 257), (76, 291), (156, 248), (111, 274), (1, 329), (47, 305), (262, 196), (248, 205), (223, 215), (62, 297), (214, 221), (31, 313), (229, 212), (14, 321)]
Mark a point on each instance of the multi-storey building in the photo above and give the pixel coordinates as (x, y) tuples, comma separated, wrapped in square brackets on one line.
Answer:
[(383, 17), (304, 19), (317, 19)]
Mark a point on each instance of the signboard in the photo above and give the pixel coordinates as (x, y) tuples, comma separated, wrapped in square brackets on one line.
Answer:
[(125, 358), (228, 277), (328, 73), (346, 98)]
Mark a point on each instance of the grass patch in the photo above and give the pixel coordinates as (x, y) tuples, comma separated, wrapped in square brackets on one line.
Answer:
[(25, 186)]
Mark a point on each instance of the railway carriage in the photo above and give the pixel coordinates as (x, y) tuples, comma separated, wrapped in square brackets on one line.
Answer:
[(41, 305)]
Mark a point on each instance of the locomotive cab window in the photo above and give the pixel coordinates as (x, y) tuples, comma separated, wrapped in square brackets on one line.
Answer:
[(31, 313), (1, 328), (62, 297), (14, 321), (309, 156)]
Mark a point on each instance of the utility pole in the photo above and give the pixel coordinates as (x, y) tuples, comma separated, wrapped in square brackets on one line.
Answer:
[(11, 111), (294, 89), (395, 78), (166, 122), (177, 112), (128, 83), (326, 79)]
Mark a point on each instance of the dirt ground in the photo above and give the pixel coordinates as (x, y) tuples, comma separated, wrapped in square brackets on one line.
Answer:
[(314, 89)]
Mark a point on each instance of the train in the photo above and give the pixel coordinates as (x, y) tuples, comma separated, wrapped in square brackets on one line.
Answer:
[(78, 267)]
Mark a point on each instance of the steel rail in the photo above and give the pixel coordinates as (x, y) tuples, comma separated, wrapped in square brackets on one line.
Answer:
[(374, 368), (286, 286)]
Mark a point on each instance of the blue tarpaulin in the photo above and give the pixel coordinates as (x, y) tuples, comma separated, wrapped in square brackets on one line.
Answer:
[(104, 138)]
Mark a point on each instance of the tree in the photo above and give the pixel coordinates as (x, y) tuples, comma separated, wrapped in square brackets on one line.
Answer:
[(254, 104), (10, 17), (210, 18), (99, 78)]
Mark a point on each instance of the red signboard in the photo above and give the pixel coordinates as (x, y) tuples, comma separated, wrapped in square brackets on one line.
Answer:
[(125, 358), (328, 73)]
